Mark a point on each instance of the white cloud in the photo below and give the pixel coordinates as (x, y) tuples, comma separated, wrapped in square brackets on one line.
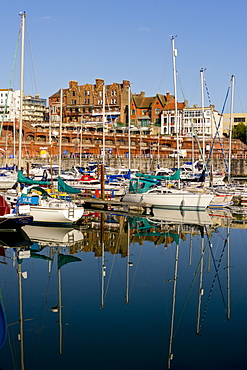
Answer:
[(144, 29)]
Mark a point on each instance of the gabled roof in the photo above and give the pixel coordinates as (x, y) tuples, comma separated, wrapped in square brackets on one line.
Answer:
[(57, 94), (167, 101), (162, 98), (142, 101)]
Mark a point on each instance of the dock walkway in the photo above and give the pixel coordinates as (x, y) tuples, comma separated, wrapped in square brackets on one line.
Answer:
[(126, 207)]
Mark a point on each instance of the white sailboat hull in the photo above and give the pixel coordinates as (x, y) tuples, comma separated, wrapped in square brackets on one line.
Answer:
[(178, 216), (7, 183), (186, 201), (55, 215), (54, 235)]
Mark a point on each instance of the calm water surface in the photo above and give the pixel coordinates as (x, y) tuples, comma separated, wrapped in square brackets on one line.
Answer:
[(124, 293)]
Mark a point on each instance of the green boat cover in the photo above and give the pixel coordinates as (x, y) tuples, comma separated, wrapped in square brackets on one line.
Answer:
[(63, 187), (26, 180), (175, 176), (64, 258)]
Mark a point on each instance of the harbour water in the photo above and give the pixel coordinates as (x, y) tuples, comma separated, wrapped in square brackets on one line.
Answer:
[(126, 293)]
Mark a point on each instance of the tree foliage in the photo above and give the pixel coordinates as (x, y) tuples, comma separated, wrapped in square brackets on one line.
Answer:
[(239, 132)]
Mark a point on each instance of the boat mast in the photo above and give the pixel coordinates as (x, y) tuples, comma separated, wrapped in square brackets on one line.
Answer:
[(201, 291), (60, 135), (176, 123), (230, 129), (23, 19), (20, 315), (103, 267), (170, 354), (129, 264), (103, 122), (129, 142), (203, 114), (228, 273)]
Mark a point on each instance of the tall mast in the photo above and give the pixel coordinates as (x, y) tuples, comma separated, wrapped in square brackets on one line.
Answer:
[(203, 114), (23, 19), (170, 354), (103, 122), (129, 142), (20, 315), (60, 133), (176, 123), (230, 128), (201, 291)]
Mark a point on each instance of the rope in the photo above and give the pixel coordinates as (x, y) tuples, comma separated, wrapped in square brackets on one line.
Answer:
[(216, 276), (217, 126), (34, 79), (10, 82), (189, 292)]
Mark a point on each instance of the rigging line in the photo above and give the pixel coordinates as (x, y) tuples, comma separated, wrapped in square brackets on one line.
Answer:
[(217, 126), (167, 60), (189, 292), (134, 275), (213, 282), (8, 334), (241, 104), (181, 86), (72, 300), (10, 81), (44, 310), (34, 80), (200, 149), (110, 273)]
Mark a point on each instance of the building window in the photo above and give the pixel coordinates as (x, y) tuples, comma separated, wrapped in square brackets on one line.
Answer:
[(100, 93), (133, 112), (73, 101), (88, 92), (113, 101), (239, 119), (73, 93), (144, 112), (157, 110), (113, 92), (100, 101)]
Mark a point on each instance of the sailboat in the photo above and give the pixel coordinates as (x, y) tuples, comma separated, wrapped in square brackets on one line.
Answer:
[(146, 189), (43, 208)]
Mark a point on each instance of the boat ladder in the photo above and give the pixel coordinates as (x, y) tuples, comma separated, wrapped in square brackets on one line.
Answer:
[(71, 239), (71, 212)]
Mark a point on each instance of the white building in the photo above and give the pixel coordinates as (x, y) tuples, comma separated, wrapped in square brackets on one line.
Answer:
[(190, 120), (9, 105), (34, 109)]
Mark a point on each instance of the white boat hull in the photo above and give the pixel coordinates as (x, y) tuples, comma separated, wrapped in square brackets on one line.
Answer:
[(7, 183), (186, 201), (178, 216), (54, 235), (53, 215)]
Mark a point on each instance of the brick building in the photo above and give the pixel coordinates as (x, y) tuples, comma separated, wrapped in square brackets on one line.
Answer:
[(153, 111), (85, 103)]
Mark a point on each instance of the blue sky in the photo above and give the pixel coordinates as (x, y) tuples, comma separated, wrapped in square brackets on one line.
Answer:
[(129, 40)]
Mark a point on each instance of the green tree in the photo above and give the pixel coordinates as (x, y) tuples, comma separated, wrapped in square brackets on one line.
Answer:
[(239, 132)]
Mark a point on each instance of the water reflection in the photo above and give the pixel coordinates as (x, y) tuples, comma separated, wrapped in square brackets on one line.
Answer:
[(158, 286)]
